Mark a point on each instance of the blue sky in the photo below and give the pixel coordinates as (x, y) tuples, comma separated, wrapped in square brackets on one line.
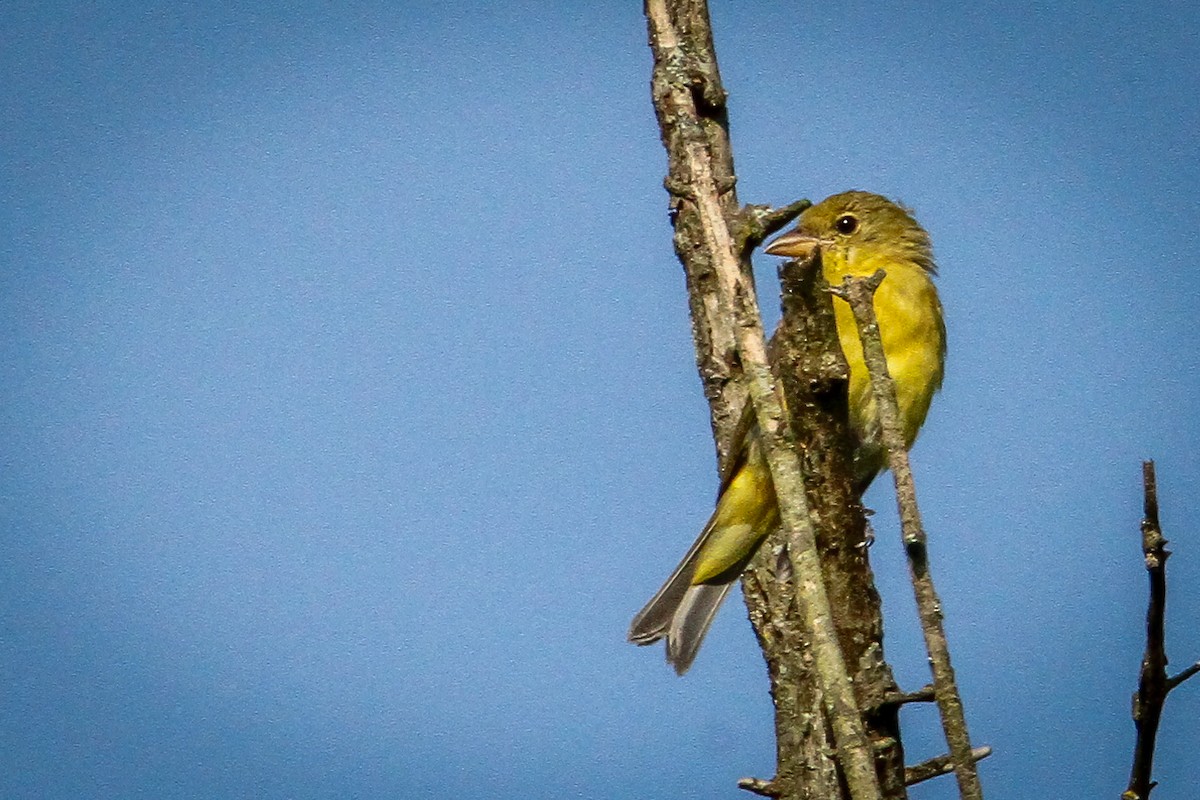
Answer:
[(348, 409)]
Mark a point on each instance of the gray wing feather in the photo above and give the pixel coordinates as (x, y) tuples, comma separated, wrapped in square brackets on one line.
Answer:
[(680, 611), (653, 621), (696, 613)]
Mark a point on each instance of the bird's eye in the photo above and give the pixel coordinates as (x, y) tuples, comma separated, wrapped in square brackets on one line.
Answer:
[(846, 224)]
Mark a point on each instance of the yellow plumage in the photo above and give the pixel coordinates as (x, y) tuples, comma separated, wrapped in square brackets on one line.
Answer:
[(857, 233)]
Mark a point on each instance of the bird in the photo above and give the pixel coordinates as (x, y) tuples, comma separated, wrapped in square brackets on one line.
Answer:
[(856, 233)]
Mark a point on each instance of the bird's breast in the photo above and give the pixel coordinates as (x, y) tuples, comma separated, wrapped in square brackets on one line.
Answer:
[(913, 336)]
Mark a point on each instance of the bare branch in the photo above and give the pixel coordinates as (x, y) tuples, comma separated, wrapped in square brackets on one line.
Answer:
[(713, 238), (759, 222), (1153, 683), (1183, 676), (942, 765), (808, 360), (859, 293), (760, 787), (923, 695)]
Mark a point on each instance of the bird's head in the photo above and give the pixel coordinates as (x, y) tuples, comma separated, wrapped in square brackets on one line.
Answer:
[(857, 233)]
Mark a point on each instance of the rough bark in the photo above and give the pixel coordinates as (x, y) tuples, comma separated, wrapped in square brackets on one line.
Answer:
[(813, 372)]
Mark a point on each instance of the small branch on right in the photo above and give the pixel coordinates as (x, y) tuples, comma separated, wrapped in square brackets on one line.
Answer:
[(1153, 683), (859, 293), (942, 765)]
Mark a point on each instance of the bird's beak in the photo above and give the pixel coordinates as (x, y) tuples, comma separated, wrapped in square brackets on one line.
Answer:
[(794, 244)]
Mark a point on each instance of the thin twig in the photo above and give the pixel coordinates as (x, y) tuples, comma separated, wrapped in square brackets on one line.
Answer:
[(1183, 676), (759, 787), (923, 695), (759, 222), (1153, 683), (860, 293), (942, 765)]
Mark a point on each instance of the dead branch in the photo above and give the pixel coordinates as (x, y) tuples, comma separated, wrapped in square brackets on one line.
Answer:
[(1153, 683), (860, 294), (713, 238), (942, 765)]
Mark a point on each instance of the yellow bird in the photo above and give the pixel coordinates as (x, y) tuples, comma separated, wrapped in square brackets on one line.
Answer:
[(857, 233)]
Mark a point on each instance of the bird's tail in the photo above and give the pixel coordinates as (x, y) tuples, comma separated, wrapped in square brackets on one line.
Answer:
[(680, 611), (684, 608)]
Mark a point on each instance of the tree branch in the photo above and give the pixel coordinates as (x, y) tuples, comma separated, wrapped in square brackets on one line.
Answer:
[(1183, 676), (713, 238), (808, 359), (860, 294), (923, 695), (690, 104), (1153, 683), (942, 765)]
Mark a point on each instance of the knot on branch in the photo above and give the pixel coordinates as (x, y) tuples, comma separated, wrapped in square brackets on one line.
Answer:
[(702, 77), (680, 66)]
